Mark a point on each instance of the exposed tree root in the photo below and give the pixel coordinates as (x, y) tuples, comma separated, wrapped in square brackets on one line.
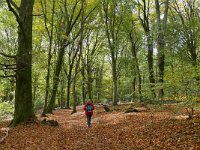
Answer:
[(4, 131)]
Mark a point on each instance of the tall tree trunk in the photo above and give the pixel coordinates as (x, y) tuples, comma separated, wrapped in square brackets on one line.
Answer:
[(114, 79), (134, 55), (23, 96), (83, 85), (69, 81), (89, 81), (98, 79), (134, 88), (112, 28), (70, 21), (74, 84), (68, 92), (61, 90), (150, 64), (51, 104), (50, 36), (144, 19), (161, 44), (80, 47)]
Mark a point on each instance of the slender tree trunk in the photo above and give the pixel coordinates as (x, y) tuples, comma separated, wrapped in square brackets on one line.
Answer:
[(98, 80), (69, 81), (50, 35), (162, 25), (112, 27), (114, 74), (144, 19), (74, 86), (83, 85), (23, 96), (68, 92), (51, 104), (70, 21), (89, 82), (80, 47), (134, 54), (60, 99), (150, 65), (134, 88)]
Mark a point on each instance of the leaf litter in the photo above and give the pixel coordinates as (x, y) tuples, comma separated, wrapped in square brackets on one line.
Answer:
[(114, 130)]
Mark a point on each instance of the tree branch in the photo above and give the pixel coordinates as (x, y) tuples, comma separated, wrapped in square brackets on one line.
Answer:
[(14, 5), (8, 76), (9, 2), (7, 65), (9, 56)]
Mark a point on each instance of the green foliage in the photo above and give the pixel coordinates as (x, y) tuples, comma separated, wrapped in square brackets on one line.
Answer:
[(38, 104), (6, 109)]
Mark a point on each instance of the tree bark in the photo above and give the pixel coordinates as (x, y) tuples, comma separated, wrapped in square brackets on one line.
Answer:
[(50, 36), (89, 81), (70, 21), (83, 84), (23, 96), (134, 55), (144, 19), (51, 104), (161, 45), (112, 28), (114, 77), (150, 64)]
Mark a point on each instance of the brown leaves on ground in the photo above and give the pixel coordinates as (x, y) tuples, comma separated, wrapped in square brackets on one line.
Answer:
[(112, 130)]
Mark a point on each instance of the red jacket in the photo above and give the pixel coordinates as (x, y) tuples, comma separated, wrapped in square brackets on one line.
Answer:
[(85, 106)]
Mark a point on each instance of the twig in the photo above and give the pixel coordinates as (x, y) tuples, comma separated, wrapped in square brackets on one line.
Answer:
[(9, 56), (7, 76)]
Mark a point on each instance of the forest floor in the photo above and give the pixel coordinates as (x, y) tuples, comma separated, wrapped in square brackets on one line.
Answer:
[(151, 128)]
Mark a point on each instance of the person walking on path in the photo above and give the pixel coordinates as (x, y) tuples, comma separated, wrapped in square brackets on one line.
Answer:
[(89, 107)]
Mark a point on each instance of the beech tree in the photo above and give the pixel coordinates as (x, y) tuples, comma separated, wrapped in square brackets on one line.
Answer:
[(66, 25), (113, 21), (187, 14), (23, 96), (161, 28), (144, 17), (49, 26)]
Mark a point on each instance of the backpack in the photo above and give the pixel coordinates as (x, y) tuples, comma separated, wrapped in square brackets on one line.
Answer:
[(89, 108)]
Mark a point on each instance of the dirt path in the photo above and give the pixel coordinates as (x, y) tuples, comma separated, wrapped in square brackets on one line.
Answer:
[(113, 130)]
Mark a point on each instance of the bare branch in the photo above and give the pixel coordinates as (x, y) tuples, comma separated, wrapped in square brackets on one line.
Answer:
[(8, 76), (14, 5), (8, 65), (9, 56), (38, 15)]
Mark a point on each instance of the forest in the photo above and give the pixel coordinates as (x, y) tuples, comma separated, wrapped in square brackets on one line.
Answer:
[(136, 60)]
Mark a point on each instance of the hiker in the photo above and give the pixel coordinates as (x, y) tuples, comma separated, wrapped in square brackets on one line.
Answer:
[(89, 107)]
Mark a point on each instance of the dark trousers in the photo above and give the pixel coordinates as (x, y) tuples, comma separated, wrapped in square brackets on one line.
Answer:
[(88, 120)]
